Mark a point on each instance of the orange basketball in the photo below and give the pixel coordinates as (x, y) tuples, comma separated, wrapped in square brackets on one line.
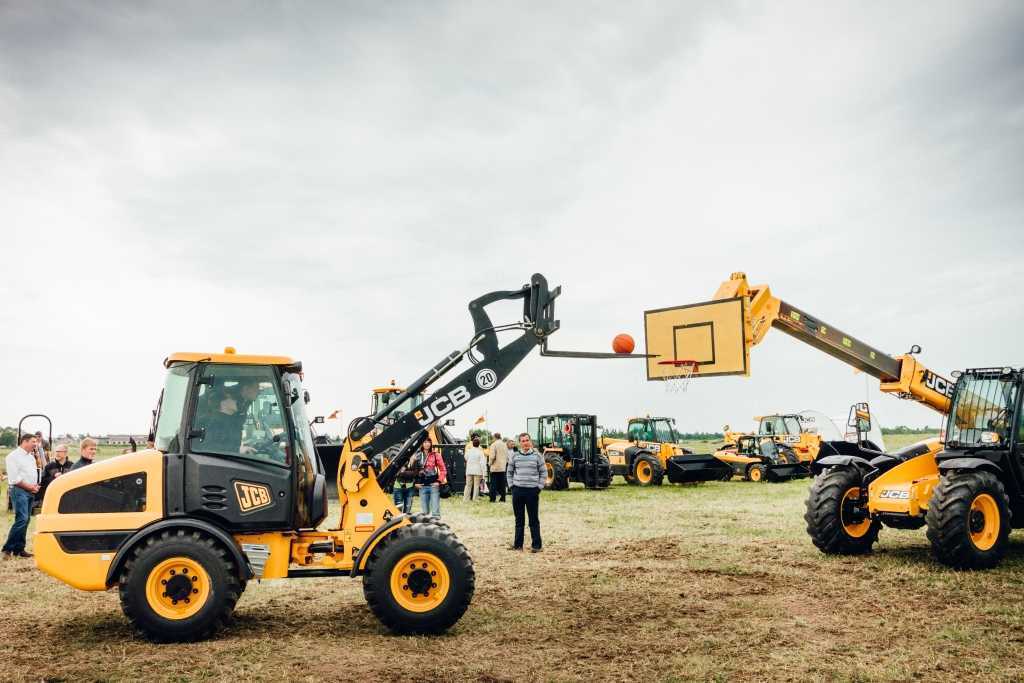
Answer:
[(623, 343)]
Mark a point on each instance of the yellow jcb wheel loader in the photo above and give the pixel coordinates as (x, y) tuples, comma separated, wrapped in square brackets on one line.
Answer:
[(234, 491), (652, 452), (761, 458)]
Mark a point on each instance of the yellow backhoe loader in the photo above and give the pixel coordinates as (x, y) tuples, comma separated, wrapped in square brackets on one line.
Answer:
[(234, 491)]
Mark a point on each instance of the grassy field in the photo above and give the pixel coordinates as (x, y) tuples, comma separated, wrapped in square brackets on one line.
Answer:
[(709, 582)]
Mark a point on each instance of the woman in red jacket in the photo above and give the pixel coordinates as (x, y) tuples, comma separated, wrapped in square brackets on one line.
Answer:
[(432, 477)]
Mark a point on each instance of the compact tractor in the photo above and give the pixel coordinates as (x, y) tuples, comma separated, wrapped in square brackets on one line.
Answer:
[(652, 451), (234, 491), (569, 443)]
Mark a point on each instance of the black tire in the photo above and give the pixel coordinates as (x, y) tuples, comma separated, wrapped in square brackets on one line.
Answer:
[(953, 520), (787, 455), (221, 573), (657, 472), (557, 478), (423, 518), (605, 481), (826, 501), (756, 472), (426, 538)]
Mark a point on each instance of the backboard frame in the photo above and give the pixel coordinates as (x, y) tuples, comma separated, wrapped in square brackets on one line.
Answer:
[(743, 325)]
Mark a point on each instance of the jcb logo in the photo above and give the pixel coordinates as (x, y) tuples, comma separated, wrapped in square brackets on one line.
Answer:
[(791, 438), (442, 405), (894, 494), (252, 496), (938, 383)]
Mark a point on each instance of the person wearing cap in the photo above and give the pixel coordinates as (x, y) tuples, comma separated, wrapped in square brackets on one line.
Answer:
[(56, 467)]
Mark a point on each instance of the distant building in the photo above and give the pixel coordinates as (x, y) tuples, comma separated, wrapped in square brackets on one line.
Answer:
[(122, 439)]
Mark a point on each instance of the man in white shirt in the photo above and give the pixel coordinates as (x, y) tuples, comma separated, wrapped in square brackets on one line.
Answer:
[(23, 479)]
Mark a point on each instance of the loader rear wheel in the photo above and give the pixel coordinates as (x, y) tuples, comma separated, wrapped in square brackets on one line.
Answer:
[(179, 586), (969, 520), (419, 579), (556, 477), (647, 470), (756, 472), (833, 525)]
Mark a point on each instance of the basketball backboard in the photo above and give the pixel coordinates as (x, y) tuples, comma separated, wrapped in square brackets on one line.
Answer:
[(713, 333)]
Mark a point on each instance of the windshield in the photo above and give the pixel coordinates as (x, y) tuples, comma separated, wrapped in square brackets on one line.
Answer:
[(982, 403), (664, 432), (172, 403), (383, 399)]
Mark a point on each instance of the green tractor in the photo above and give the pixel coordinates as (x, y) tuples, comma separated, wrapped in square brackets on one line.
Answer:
[(569, 445)]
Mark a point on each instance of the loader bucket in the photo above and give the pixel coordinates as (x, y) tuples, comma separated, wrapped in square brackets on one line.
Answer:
[(685, 469), (787, 471)]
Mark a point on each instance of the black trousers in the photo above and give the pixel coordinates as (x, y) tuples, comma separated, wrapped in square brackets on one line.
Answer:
[(525, 502), (497, 486)]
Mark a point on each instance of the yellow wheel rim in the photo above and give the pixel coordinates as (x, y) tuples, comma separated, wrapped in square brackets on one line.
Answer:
[(755, 474), (177, 588), (420, 582), (984, 522), (551, 473), (853, 529), (643, 472)]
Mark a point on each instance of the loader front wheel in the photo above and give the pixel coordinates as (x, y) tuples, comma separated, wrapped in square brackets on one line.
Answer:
[(179, 586), (419, 580), (756, 472), (969, 520), (834, 524)]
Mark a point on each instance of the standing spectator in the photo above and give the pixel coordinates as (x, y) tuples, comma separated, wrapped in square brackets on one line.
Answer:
[(56, 467), (526, 473), (39, 452), (476, 467), (433, 476), (497, 461), (131, 444), (86, 449), (405, 482), (22, 478), (513, 447)]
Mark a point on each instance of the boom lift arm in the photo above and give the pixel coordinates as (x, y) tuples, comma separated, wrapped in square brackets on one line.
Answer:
[(902, 375), (491, 364)]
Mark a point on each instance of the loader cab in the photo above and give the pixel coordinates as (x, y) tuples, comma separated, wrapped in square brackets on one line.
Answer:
[(237, 442), (779, 425), (653, 429)]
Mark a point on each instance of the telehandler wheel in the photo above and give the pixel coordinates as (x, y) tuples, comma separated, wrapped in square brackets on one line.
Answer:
[(969, 520), (756, 472), (419, 579), (557, 479), (179, 586), (830, 519), (788, 456), (647, 470)]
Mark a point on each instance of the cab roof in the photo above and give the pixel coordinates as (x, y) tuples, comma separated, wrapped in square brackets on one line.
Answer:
[(227, 356)]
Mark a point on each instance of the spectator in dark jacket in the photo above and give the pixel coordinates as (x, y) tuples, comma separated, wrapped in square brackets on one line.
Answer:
[(87, 449), (526, 473), (56, 467)]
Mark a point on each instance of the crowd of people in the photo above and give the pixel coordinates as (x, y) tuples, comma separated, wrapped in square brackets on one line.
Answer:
[(502, 466), (30, 469)]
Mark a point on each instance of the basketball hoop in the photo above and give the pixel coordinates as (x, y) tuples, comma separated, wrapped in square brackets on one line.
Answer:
[(678, 384)]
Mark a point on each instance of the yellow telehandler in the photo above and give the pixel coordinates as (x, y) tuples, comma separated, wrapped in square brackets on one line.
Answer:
[(234, 491)]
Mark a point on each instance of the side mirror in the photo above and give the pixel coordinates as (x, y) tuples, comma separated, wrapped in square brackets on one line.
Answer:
[(449, 423), (305, 396), (319, 419)]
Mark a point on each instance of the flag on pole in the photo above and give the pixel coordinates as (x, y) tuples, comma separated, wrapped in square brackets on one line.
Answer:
[(334, 415), (480, 420)]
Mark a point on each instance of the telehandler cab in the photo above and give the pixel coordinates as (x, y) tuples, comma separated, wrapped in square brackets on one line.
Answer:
[(652, 451), (234, 491), (569, 445)]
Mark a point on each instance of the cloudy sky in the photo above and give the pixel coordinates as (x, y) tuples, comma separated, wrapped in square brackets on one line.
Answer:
[(335, 181)]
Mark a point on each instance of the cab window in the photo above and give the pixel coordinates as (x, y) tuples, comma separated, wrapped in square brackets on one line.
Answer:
[(238, 413), (640, 431), (792, 425)]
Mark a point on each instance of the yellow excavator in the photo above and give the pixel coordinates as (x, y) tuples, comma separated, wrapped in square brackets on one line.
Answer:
[(858, 489), (234, 491)]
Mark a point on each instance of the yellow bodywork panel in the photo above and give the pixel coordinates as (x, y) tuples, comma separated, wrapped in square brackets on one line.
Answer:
[(88, 571), (907, 488)]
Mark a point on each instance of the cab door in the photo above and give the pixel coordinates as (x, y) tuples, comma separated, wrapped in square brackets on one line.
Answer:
[(239, 455)]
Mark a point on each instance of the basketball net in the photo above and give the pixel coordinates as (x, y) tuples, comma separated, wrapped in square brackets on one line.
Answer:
[(678, 384)]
